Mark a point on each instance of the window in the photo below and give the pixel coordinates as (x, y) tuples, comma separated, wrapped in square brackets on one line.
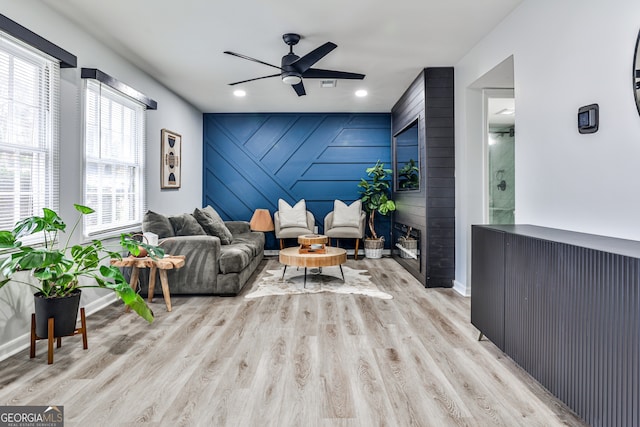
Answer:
[(29, 117), (114, 159)]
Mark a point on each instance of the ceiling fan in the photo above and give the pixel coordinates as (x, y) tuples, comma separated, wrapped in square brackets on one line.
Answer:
[(294, 68)]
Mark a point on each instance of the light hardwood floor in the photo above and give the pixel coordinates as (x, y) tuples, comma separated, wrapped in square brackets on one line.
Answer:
[(302, 360)]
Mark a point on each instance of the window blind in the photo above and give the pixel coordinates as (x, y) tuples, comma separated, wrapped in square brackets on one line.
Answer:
[(114, 159), (29, 138)]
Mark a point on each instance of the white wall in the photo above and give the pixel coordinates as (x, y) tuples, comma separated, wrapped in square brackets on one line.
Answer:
[(173, 113), (566, 54)]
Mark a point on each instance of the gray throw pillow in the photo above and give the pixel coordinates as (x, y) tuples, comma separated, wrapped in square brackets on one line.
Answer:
[(186, 225), (213, 224), (157, 223)]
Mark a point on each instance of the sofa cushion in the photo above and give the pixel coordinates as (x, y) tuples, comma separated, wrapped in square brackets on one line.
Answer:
[(346, 215), (254, 241), (186, 225), (234, 258), (213, 224), (295, 216), (157, 223)]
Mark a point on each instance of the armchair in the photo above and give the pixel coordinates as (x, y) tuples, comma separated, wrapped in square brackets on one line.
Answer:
[(291, 222), (346, 222)]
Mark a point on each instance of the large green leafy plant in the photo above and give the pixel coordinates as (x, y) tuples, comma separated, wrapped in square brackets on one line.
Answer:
[(375, 193), (60, 271)]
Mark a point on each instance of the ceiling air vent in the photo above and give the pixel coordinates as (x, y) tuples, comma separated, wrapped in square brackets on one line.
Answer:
[(328, 83)]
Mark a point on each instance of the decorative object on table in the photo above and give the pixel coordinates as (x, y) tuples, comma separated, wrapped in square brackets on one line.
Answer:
[(346, 222), (375, 198), (171, 155), (312, 243), (59, 273), (261, 221), (292, 221), (355, 282)]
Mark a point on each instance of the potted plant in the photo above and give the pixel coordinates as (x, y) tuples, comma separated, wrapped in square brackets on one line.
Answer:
[(59, 273), (375, 198)]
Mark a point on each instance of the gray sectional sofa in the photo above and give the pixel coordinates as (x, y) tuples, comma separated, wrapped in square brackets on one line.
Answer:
[(220, 255)]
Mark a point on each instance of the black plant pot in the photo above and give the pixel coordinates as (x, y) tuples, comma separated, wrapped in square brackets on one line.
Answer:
[(64, 311)]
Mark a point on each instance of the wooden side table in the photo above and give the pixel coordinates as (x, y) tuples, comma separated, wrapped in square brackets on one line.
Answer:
[(161, 264)]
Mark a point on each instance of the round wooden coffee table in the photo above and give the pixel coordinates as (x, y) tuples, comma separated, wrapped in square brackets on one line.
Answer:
[(331, 257)]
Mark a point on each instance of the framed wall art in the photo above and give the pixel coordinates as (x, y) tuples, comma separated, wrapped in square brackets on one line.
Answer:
[(171, 159)]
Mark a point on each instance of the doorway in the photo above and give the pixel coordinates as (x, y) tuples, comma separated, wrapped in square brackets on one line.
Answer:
[(500, 155)]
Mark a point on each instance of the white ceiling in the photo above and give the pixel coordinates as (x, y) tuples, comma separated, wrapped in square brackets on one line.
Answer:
[(180, 43)]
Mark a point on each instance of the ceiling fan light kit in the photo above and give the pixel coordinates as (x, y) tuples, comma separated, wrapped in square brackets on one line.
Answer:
[(293, 68)]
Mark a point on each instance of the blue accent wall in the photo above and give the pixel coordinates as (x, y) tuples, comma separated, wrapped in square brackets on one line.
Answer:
[(252, 160)]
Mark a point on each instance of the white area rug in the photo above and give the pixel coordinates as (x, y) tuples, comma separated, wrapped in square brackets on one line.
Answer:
[(355, 282)]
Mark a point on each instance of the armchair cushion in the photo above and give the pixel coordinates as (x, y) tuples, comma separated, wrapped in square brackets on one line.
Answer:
[(158, 224), (346, 215), (186, 225), (213, 224), (295, 216)]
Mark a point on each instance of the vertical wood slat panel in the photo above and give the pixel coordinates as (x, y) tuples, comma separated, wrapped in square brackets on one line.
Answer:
[(487, 292), (572, 320)]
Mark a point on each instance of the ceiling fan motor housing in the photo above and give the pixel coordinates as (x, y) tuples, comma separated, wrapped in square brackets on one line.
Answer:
[(289, 74)]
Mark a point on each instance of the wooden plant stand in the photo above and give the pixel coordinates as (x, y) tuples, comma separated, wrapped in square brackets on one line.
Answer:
[(50, 328)]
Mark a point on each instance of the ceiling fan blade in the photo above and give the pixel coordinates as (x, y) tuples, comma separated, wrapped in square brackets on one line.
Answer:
[(304, 63), (257, 78), (248, 58), (299, 88), (317, 73)]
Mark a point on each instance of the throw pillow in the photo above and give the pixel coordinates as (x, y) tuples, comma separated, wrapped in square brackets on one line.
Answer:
[(158, 224), (186, 225), (346, 216), (295, 216), (213, 224)]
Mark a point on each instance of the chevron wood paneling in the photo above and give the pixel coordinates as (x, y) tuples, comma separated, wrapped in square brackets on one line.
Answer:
[(252, 160)]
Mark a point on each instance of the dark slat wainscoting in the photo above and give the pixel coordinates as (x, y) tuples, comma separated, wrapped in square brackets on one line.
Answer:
[(566, 307), (431, 209)]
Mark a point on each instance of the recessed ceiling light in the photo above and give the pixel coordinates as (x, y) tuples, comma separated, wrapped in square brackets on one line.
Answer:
[(361, 93), (239, 93)]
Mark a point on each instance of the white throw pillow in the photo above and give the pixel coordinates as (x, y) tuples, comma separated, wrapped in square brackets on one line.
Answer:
[(346, 216), (295, 216)]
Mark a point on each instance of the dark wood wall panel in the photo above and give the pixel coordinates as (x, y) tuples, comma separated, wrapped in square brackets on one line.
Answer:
[(432, 209), (439, 126), (411, 205)]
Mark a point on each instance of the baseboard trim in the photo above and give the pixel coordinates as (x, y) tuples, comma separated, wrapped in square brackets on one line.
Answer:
[(461, 288), (23, 342)]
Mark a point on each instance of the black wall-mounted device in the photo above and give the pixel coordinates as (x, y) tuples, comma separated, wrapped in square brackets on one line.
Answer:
[(588, 118)]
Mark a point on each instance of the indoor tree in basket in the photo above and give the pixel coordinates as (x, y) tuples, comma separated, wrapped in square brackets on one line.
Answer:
[(374, 194), (58, 273)]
